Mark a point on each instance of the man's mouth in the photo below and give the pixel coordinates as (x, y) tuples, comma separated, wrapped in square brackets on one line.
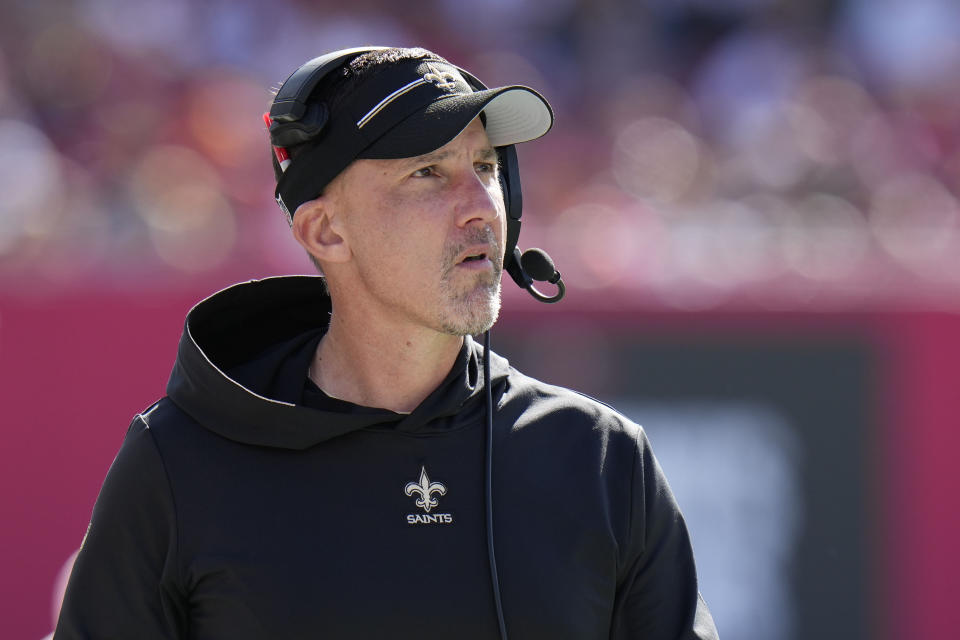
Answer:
[(478, 253), (476, 256)]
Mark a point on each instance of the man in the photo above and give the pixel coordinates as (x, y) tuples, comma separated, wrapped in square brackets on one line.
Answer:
[(351, 464)]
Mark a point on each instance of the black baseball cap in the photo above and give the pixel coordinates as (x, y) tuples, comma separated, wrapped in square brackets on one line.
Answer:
[(407, 109)]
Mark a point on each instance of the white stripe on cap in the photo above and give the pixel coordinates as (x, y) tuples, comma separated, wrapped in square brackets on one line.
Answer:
[(386, 101)]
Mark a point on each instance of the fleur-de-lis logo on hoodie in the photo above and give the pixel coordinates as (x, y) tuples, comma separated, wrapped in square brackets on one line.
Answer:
[(425, 489)]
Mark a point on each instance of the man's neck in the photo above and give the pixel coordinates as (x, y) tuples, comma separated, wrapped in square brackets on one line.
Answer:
[(382, 367)]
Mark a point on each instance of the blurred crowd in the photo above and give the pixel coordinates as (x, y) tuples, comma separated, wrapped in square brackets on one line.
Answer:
[(773, 153)]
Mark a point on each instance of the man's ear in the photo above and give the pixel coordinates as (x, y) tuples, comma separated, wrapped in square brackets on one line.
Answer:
[(315, 228)]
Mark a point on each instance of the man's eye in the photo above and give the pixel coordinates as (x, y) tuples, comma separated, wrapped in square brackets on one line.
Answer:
[(486, 167), (425, 172)]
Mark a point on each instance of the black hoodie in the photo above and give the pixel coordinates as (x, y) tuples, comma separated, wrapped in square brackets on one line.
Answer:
[(235, 511)]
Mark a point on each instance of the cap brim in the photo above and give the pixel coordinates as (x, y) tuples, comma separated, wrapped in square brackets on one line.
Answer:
[(513, 114)]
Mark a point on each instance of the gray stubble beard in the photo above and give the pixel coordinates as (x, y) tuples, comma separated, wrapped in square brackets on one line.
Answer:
[(462, 316)]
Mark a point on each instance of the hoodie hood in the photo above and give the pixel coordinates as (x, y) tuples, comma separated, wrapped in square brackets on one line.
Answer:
[(242, 364)]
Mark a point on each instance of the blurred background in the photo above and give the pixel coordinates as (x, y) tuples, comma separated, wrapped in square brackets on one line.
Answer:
[(754, 204)]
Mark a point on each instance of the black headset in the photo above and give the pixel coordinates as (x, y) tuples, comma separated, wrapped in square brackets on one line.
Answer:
[(294, 119)]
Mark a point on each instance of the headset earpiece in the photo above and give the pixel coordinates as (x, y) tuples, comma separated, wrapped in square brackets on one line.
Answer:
[(288, 134)]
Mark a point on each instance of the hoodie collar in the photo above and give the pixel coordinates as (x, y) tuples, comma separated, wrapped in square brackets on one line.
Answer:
[(242, 362)]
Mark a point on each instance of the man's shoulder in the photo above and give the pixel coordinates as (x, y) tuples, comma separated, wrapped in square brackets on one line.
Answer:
[(168, 423), (161, 413), (545, 403)]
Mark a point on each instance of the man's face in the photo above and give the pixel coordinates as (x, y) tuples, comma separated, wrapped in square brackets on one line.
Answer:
[(426, 234)]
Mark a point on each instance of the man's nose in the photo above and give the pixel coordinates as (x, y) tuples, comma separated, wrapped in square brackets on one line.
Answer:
[(476, 200)]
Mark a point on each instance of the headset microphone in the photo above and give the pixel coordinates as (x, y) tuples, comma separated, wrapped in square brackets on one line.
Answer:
[(535, 264)]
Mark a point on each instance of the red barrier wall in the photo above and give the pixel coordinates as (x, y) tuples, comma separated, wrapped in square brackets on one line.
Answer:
[(73, 372)]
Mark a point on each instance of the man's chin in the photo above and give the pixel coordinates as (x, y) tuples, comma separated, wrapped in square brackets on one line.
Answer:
[(473, 317)]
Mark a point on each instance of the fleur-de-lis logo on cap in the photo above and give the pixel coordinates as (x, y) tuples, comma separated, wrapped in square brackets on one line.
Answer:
[(441, 79), (425, 489)]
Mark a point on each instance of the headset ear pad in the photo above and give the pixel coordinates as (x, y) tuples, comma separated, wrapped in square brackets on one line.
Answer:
[(295, 119), (289, 134)]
